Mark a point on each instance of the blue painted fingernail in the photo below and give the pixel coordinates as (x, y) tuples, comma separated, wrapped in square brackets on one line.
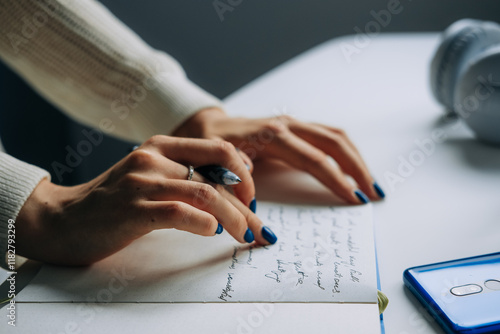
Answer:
[(249, 236), (219, 229), (378, 190), (253, 205), (247, 166), (269, 235), (362, 197)]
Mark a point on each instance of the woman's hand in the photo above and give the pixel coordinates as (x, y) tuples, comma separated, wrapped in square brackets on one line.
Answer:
[(145, 191), (304, 146)]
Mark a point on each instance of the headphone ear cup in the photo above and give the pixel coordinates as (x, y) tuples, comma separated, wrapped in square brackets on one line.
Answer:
[(477, 96), (461, 41)]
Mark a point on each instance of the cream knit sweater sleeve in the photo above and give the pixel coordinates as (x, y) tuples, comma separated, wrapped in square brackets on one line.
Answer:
[(17, 181), (80, 57), (90, 65)]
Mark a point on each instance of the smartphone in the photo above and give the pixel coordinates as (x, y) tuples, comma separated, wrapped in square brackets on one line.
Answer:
[(462, 295)]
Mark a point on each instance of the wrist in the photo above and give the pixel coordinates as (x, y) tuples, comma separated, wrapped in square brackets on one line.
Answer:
[(198, 125), (37, 218)]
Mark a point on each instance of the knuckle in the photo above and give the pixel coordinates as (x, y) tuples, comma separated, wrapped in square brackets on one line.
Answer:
[(206, 225), (275, 126), (249, 219), (224, 149), (206, 193), (243, 222), (140, 158), (346, 189), (286, 119), (174, 210), (314, 160), (156, 140)]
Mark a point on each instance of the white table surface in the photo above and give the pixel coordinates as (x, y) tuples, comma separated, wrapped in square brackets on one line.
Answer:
[(445, 209)]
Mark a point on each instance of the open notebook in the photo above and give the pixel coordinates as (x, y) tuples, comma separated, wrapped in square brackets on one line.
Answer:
[(324, 256)]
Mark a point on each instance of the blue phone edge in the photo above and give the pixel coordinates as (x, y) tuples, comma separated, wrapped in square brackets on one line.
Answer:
[(425, 299), (434, 310)]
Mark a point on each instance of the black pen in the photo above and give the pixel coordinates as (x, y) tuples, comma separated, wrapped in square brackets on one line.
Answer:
[(213, 173), (218, 174)]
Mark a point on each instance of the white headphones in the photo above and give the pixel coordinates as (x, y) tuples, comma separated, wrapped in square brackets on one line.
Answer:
[(465, 75)]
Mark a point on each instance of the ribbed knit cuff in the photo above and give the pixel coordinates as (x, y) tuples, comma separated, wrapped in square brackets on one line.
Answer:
[(170, 98), (174, 101), (17, 181)]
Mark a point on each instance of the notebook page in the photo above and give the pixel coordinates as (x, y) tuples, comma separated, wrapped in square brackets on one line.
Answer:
[(323, 254), (189, 318)]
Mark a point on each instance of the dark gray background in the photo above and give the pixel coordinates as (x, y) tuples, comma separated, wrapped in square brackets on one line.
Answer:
[(221, 56)]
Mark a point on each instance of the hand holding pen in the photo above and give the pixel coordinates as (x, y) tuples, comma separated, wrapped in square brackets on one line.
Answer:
[(149, 189), (221, 176)]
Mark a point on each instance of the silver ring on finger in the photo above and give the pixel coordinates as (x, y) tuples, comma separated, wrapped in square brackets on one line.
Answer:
[(190, 172)]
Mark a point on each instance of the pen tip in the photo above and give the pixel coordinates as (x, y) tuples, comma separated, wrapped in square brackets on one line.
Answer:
[(229, 178)]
